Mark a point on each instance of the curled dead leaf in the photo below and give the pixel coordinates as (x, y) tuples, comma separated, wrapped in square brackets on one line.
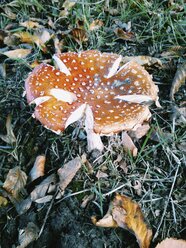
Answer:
[(95, 25), (28, 235), (178, 81), (3, 201), (47, 186), (124, 35), (39, 38), (128, 144), (20, 53), (140, 131), (30, 24), (38, 168), (8, 12), (15, 182), (125, 213), (79, 35), (143, 60), (86, 200), (68, 4), (172, 243), (67, 172), (101, 174), (9, 138)]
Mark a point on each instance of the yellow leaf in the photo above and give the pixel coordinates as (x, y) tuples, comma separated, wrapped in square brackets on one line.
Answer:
[(3, 201), (26, 37), (128, 214), (125, 213), (38, 168), (172, 243), (39, 38), (15, 182), (17, 53), (96, 24), (30, 24)]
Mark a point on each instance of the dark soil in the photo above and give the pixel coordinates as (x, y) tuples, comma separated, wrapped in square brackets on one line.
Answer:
[(67, 226)]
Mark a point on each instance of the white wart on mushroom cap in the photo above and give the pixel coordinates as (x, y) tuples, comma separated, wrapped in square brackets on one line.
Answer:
[(115, 94)]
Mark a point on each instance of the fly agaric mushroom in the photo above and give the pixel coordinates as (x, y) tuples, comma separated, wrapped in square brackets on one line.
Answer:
[(92, 85)]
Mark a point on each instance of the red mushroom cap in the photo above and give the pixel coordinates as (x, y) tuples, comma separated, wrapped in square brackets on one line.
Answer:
[(115, 94)]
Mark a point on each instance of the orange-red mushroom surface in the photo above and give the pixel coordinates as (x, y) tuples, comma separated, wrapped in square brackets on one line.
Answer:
[(115, 94)]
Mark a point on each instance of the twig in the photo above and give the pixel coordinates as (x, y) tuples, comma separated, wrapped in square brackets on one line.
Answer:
[(47, 213)]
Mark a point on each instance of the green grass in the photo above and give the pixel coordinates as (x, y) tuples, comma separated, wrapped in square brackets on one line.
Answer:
[(160, 164)]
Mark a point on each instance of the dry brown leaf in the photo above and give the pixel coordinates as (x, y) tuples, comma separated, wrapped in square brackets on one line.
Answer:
[(3, 70), (128, 215), (58, 44), (47, 186), (30, 24), (15, 182), (38, 168), (137, 187), (140, 131), (28, 235), (128, 144), (87, 164), (101, 174), (39, 38), (124, 35), (9, 13), (3, 34), (143, 60), (17, 53), (86, 200), (44, 199), (79, 35), (3, 201), (123, 165), (95, 25), (68, 4), (125, 213), (172, 243), (34, 64), (23, 206), (11, 40), (178, 81), (68, 172), (9, 137)]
